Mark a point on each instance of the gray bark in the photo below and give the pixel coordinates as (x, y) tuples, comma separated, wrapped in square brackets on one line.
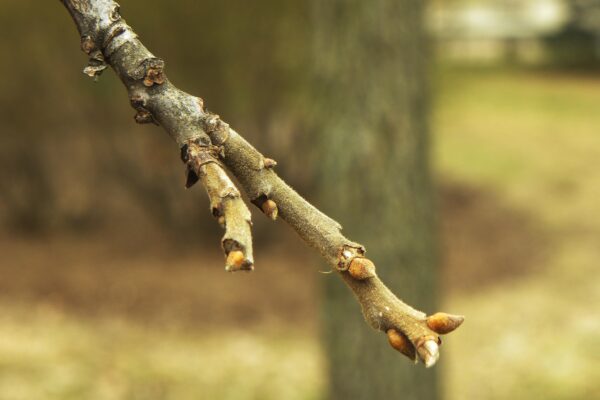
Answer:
[(374, 175), (208, 144)]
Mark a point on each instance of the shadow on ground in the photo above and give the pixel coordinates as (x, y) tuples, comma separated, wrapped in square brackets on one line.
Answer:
[(485, 241)]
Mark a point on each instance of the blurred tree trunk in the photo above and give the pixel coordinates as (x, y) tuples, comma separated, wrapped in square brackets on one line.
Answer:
[(373, 175)]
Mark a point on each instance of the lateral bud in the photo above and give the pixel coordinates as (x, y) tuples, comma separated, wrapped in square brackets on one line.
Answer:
[(443, 323), (269, 163), (137, 101), (87, 44), (269, 207), (361, 268), (401, 343), (144, 116)]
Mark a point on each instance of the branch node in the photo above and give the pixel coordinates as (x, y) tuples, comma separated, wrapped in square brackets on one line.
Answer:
[(346, 254), (216, 128), (96, 64), (137, 101), (154, 72), (196, 154)]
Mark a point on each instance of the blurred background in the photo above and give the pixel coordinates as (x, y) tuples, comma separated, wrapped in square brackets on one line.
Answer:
[(111, 277)]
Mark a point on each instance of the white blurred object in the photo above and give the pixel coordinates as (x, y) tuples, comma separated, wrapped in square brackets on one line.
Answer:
[(497, 19)]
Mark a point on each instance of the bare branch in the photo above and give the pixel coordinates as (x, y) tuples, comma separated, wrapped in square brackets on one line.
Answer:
[(226, 204), (381, 308), (107, 39)]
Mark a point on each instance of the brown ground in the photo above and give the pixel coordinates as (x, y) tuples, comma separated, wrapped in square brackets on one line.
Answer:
[(186, 285), (485, 241)]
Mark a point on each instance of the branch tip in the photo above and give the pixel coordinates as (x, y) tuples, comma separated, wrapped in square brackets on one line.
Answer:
[(429, 352), (236, 261)]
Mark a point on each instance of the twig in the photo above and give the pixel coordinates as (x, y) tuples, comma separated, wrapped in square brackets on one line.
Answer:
[(225, 202), (107, 39)]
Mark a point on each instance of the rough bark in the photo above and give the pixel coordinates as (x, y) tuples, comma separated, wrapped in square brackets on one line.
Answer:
[(206, 141), (371, 80)]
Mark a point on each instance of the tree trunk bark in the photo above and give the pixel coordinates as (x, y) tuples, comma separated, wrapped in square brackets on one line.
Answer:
[(371, 145)]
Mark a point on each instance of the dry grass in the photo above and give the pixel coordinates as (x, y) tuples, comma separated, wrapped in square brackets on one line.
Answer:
[(48, 354), (532, 142), (90, 319)]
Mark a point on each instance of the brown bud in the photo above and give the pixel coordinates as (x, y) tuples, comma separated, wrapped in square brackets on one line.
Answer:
[(221, 220), (87, 44), (144, 117), (361, 268), (269, 207), (137, 101), (443, 323), (401, 343), (269, 163), (235, 260)]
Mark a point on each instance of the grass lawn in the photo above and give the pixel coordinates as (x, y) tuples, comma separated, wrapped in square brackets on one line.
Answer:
[(532, 140)]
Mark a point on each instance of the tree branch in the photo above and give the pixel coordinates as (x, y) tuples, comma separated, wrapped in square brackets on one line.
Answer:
[(225, 202), (205, 139)]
